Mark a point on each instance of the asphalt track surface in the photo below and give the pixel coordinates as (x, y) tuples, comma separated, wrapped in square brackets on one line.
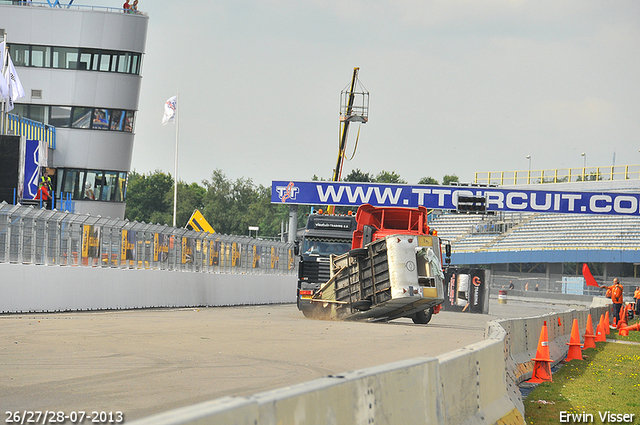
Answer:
[(142, 362)]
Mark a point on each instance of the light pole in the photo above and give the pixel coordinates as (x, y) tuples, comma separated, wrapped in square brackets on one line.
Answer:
[(529, 173), (584, 166)]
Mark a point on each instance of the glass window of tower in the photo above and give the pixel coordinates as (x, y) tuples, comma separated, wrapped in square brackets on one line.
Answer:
[(60, 116), (105, 61), (81, 117), (38, 113), (75, 58), (100, 119), (98, 185), (110, 186), (41, 56), (86, 60), (65, 58), (20, 54), (121, 194)]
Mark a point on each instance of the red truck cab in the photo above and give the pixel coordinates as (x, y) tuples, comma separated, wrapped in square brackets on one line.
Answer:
[(375, 223)]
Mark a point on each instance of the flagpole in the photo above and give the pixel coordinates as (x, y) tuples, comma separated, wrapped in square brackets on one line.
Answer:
[(175, 174), (2, 65)]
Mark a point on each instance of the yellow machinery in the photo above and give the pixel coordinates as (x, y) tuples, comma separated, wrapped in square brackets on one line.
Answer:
[(198, 223)]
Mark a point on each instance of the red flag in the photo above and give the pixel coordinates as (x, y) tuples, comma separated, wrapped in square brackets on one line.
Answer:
[(588, 277)]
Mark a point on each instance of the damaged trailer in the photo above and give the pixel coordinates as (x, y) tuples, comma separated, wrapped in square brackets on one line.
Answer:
[(393, 270)]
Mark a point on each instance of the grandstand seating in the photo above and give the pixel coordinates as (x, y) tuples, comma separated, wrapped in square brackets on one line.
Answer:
[(515, 232), (453, 226)]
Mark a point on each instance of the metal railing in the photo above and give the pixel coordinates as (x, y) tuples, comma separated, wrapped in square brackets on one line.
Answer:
[(29, 235), (68, 4), (560, 175), (32, 130)]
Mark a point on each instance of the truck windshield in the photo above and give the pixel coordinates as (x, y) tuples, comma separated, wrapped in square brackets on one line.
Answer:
[(326, 247)]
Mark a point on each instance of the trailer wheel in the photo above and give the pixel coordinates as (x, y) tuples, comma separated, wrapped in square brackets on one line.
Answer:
[(359, 252), (422, 317), (361, 305)]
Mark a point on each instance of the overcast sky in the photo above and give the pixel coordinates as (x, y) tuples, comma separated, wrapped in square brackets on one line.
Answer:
[(455, 86)]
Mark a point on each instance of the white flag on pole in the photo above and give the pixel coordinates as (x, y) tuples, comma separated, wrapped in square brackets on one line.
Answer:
[(170, 107), (4, 87), (12, 78)]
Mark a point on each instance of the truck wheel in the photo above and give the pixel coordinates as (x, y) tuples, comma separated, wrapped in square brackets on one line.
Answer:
[(361, 305), (315, 311), (359, 252), (310, 313), (422, 317)]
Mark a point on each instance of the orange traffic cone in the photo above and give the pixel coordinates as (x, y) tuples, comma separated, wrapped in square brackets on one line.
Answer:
[(635, 327), (588, 335), (623, 319), (575, 352), (622, 323), (600, 333), (623, 312), (607, 321), (601, 323), (542, 365)]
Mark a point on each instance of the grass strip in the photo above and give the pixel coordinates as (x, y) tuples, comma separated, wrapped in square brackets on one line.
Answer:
[(605, 383)]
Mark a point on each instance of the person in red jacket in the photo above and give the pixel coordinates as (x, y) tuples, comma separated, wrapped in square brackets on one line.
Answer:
[(44, 189), (636, 295), (616, 297)]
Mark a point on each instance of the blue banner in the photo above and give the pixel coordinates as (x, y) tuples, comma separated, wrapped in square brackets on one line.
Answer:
[(31, 169), (446, 197)]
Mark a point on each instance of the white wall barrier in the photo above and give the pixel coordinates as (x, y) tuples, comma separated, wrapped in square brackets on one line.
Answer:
[(31, 288), (477, 384)]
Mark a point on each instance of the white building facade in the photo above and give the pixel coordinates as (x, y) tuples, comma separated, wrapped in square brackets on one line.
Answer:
[(81, 70)]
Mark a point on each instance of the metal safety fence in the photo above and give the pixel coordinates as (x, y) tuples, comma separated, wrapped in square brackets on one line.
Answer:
[(32, 130), (29, 235)]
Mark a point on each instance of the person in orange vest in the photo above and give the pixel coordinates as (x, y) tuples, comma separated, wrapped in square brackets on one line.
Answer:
[(44, 189), (636, 295), (616, 297)]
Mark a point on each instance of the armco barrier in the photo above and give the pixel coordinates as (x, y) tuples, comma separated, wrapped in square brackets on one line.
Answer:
[(477, 384)]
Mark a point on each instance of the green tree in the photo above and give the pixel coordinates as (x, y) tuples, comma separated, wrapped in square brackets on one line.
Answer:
[(190, 197), (218, 202), (358, 176), (146, 197), (447, 179), (267, 216), (428, 180), (232, 206), (591, 177), (389, 177)]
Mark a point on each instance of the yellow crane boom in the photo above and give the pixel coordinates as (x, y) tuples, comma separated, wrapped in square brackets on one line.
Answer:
[(198, 223)]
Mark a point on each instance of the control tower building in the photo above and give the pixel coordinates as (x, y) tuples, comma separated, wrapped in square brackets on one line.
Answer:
[(81, 68)]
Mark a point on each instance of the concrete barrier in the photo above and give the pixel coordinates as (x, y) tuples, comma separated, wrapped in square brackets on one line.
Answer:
[(477, 384), (31, 288), (374, 395)]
